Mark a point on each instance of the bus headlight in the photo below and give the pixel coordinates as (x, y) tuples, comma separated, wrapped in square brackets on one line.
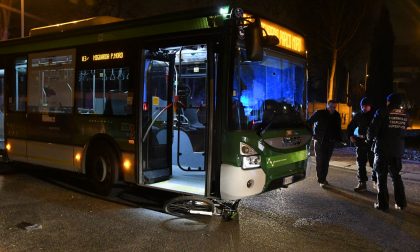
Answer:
[(251, 161), (250, 158), (246, 150)]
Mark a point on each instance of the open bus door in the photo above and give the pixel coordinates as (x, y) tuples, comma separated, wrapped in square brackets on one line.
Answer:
[(1, 110), (174, 119), (156, 117)]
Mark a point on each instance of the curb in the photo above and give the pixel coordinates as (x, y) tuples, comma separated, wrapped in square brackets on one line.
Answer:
[(406, 176)]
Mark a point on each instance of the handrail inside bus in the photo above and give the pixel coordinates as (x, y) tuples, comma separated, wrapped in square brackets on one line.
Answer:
[(153, 121)]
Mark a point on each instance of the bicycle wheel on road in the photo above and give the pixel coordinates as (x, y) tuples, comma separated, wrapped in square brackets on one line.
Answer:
[(189, 205)]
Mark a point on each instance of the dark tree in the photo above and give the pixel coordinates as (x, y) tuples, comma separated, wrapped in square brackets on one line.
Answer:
[(338, 37), (4, 18), (379, 83)]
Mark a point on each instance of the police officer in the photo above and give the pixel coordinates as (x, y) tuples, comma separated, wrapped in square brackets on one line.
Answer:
[(326, 125), (387, 131), (356, 132)]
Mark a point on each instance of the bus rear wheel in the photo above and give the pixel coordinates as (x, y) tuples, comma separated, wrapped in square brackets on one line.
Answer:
[(101, 168)]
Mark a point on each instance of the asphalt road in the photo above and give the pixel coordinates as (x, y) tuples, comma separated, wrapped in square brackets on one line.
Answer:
[(44, 212)]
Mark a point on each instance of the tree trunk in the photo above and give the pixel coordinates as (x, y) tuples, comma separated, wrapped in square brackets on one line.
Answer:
[(5, 20), (331, 86)]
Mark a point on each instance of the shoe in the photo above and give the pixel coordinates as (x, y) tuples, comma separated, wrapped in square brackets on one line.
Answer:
[(323, 184), (361, 187), (400, 208), (377, 206)]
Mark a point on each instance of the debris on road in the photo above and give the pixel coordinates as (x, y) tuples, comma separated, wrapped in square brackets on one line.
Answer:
[(28, 226)]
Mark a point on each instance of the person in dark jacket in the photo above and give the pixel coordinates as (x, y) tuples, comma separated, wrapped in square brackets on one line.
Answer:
[(357, 131), (326, 126), (387, 132)]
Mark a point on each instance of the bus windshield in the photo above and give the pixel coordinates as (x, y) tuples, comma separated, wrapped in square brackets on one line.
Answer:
[(267, 93)]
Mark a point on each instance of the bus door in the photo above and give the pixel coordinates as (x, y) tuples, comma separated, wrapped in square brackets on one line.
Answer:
[(156, 121), (174, 118), (1, 108)]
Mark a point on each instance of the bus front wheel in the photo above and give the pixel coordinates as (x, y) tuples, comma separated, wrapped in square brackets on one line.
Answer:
[(101, 167)]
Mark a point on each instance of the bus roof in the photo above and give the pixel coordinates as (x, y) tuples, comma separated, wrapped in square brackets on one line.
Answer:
[(110, 31), (72, 25), (102, 29)]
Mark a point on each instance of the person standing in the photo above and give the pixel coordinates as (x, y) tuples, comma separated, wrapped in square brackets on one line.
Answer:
[(387, 132), (357, 131), (326, 127)]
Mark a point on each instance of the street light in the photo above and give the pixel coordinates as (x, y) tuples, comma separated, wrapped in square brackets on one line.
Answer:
[(366, 77)]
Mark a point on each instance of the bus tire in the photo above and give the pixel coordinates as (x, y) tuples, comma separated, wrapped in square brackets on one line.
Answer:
[(101, 164)]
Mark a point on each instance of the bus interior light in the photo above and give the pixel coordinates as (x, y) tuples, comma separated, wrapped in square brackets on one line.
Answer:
[(127, 164)]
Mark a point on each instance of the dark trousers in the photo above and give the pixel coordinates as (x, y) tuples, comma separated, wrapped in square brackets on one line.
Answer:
[(384, 165), (323, 152), (364, 155)]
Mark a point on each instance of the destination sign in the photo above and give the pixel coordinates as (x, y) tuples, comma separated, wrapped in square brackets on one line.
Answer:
[(288, 40), (103, 56)]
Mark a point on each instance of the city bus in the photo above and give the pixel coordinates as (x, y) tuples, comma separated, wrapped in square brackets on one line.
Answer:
[(209, 104)]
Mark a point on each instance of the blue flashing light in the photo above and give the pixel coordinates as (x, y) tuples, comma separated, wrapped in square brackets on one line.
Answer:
[(245, 100)]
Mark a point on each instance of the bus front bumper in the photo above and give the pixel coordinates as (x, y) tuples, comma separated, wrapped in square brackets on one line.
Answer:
[(237, 183)]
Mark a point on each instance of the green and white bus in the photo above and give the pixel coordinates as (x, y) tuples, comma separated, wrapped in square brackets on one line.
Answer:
[(209, 103)]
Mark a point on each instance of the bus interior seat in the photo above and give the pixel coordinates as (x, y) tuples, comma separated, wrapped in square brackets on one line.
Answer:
[(99, 106), (202, 115), (191, 114), (193, 128), (238, 115), (108, 110), (188, 157), (160, 134), (119, 103), (116, 103)]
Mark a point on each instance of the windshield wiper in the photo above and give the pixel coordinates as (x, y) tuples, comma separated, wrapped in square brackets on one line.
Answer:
[(261, 131)]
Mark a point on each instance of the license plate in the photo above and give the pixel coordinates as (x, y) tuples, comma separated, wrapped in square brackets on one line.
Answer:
[(288, 180)]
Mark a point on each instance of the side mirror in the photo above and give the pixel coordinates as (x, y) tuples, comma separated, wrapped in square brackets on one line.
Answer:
[(253, 41), (270, 40)]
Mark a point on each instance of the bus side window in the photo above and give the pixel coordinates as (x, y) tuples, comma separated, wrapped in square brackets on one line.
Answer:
[(51, 81), (104, 92)]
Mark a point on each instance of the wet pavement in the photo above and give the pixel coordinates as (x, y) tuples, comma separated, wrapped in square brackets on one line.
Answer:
[(47, 213)]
